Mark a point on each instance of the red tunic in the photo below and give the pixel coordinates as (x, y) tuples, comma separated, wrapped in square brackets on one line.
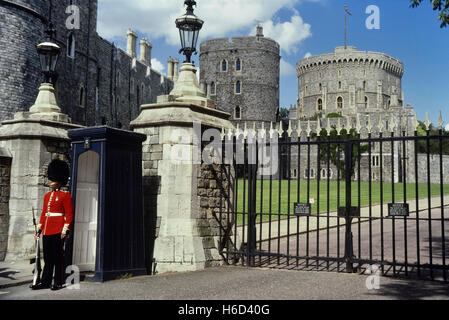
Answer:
[(59, 205)]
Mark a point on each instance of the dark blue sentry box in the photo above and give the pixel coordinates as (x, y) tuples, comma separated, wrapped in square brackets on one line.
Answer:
[(106, 186)]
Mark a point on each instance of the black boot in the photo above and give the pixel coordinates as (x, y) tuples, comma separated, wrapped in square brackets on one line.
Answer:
[(56, 287), (39, 286)]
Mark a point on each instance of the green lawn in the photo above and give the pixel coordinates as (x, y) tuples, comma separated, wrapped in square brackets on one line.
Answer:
[(281, 205)]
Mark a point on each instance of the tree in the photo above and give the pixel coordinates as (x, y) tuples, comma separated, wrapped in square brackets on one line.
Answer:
[(284, 113), (438, 5), (334, 153)]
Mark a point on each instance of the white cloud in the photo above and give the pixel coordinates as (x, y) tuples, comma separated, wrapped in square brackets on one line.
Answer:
[(288, 34), (222, 17), (157, 65), (307, 55), (287, 69), (447, 127)]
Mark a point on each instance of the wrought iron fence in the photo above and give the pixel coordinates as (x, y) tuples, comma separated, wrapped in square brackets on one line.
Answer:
[(340, 201)]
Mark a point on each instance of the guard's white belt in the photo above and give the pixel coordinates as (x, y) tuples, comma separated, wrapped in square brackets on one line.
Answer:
[(53, 214)]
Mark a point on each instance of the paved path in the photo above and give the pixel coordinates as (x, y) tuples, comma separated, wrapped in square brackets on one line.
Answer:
[(241, 283)]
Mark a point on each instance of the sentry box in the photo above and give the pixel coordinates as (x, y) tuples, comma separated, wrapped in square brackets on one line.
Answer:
[(106, 187)]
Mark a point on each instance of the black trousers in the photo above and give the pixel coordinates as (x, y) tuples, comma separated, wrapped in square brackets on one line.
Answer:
[(53, 259)]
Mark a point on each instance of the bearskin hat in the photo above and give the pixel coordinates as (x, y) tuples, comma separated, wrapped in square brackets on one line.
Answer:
[(58, 171)]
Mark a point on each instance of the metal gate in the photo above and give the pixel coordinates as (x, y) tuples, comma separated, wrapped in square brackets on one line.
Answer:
[(338, 201)]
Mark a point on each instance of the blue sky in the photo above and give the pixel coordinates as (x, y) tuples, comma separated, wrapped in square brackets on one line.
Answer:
[(303, 27)]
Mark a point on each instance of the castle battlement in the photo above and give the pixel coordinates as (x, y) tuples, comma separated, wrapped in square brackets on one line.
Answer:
[(352, 56)]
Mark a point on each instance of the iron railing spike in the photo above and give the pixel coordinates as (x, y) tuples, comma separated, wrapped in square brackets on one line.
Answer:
[(427, 123), (289, 130), (308, 130), (440, 120)]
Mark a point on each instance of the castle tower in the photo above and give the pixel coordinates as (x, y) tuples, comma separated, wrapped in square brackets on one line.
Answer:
[(242, 76), (26, 20), (19, 61), (349, 81)]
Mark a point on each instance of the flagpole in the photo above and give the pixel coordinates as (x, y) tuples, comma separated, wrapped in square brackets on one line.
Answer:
[(345, 31)]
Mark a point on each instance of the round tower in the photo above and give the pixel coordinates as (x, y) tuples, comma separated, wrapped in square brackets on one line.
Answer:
[(242, 76), (22, 24), (348, 82)]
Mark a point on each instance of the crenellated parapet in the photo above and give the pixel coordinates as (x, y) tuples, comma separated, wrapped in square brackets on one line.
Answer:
[(351, 57)]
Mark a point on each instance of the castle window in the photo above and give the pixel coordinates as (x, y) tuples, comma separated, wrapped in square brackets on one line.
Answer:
[(212, 89), (366, 103), (307, 90), (319, 103), (237, 113), (71, 45), (339, 103), (364, 85), (238, 87), (238, 65), (323, 173), (224, 65), (321, 87), (81, 101), (375, 161), (339, 85)]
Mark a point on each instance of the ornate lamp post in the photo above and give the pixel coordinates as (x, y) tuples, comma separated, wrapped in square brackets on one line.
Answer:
[(189, 27), (48, 52), (186, 87), (48, 55)]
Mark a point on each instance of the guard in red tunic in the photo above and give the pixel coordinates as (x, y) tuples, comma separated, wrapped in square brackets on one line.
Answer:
[(54, 223)]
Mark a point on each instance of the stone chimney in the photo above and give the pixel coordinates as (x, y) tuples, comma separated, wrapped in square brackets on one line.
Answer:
[(131, 43), (145, 52), (259, 32), (170, 63), (175, 69)]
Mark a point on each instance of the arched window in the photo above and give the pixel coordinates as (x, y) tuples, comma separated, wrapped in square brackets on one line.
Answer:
[(224, 65), (238, 87), (339, 103), (319, 104), (212, 89), (81, 101), (320, 87), (238, 65), (237, 113), (71, 45)]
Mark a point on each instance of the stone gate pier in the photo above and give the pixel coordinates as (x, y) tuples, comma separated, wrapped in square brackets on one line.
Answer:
[(181, 195), (27, 145)]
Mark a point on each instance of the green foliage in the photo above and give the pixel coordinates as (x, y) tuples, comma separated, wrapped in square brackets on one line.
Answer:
[(315, 117), (438, 5), (284, 113), (332, 153), (434, 144), (334, 115)]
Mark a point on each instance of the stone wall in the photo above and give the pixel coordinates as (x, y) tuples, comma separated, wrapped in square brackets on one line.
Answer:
[(20, 74), (114, 83), (214, 197), (5, 179)]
